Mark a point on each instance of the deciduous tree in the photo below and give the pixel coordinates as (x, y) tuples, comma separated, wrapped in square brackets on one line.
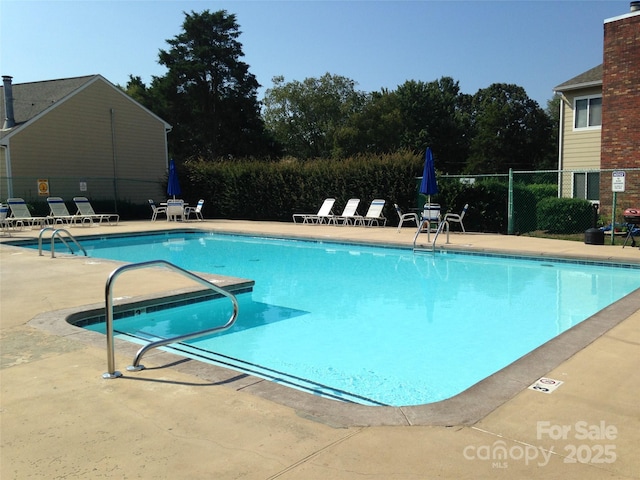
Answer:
[(306, 117), (510, 130)]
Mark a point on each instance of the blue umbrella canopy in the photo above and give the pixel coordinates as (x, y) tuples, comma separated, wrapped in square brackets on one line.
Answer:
[(429, 185), (173, 187)]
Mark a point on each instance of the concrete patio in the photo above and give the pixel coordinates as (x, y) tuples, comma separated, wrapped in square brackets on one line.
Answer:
[(180, 419)]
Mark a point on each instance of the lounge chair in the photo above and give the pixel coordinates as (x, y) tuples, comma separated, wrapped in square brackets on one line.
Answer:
[(197, 210), (58, 211), (156, 210), (349, 214), (21, 215), (324, 214), (457, 218), (374, 214), (4, 222), (175, 209), (406, 217), (86, 212)]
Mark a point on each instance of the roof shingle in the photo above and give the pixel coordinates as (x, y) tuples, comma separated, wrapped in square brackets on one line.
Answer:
[(31, 99), (590, 78)]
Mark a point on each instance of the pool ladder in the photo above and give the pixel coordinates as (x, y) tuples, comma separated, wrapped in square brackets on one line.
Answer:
[(57, 233), (444, 224), (108, 298)]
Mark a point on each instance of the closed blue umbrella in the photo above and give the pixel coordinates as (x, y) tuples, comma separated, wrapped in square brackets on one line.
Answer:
[(173, 187), (429, 185)]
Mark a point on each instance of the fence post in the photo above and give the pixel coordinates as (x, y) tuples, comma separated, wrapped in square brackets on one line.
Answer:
[(510, 228), (613, 219)]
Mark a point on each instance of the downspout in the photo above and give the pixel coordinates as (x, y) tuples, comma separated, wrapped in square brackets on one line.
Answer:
[(115, 158), (167, 130), (560, 143)]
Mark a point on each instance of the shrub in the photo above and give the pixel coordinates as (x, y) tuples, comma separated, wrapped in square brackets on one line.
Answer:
[(254, 190), (564, 215), (543, 190)]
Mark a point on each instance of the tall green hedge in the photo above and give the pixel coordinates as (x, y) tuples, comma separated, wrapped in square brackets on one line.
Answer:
[(254, 190)]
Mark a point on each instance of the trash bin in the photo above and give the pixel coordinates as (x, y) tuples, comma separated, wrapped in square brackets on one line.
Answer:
[(594, 236)]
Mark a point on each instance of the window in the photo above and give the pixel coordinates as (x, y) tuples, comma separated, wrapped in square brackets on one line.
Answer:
[(586, 185), (588, 112)]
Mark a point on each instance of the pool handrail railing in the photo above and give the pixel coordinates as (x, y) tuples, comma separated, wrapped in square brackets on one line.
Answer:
[(56, 233), (444, 224), (112, 372)]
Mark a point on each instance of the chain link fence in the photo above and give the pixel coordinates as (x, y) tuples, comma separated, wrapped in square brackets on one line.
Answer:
[(128, 197), (562, 202), (556, 202)]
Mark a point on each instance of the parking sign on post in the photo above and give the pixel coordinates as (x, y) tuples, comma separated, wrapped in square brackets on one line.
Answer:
[(617, 181)]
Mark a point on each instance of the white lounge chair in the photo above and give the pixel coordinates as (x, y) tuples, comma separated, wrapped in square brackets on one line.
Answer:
[(454, 217), (86, 211), (197, 210), (374, 214), (4, 222), (324, 214), (156, 210), (175, 210), (406, 217), (21, 215), (349, 214), (58, 211)]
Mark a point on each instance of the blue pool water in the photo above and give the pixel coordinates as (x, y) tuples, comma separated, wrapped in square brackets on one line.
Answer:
[(372, 325)]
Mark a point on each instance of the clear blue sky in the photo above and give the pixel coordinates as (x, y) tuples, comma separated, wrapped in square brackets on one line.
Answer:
[(379, 44)]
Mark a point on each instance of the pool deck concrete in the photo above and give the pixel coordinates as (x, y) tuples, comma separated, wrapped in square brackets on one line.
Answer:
[(176, 419)]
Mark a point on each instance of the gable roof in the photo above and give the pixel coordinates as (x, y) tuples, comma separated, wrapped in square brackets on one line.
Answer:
[(590, 78), (31, 100)]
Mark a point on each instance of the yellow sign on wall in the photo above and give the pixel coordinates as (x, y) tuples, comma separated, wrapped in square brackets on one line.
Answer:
[(43, 187)]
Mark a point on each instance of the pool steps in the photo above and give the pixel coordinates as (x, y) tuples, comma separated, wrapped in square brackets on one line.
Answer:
[(112, 372)]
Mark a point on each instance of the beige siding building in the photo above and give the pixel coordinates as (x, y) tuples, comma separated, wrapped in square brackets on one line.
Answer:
[(580, 129), (83, 137)]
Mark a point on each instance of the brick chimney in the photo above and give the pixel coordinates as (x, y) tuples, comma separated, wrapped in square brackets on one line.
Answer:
[(9, 119)]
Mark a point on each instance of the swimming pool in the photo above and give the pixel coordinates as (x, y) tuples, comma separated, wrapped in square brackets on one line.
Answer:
[(375, 325)]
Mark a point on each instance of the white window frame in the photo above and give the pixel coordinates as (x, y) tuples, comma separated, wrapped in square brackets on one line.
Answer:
[(589, 178), (588, 98)]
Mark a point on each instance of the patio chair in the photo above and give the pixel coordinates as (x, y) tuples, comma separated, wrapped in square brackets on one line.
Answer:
[(175, 210), (58, 211), (21, 215), (457, 218), (324, 213), (349, 214), (374, 214), (156, 210), (86, 212), (197, 210), (406, 217)]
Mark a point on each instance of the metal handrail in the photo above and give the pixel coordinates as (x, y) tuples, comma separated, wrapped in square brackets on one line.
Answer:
[(56, 233), (435, 237), (419, 231), (112, 373), (437, 233)]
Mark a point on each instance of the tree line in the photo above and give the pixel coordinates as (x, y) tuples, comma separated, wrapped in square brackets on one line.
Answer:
[(210, 97)]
